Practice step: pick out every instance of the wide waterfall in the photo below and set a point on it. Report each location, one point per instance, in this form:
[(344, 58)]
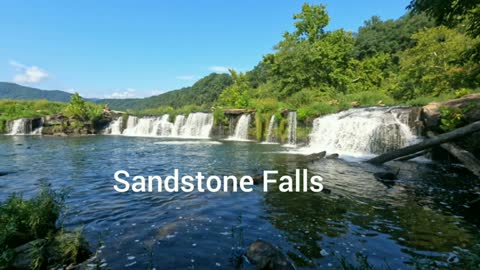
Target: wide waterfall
[(271, 138), (25, 126), (241, 129), (292, 128), (362, 131), (196, 125)]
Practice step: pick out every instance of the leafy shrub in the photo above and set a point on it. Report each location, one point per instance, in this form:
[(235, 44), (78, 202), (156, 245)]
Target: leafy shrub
[(452, 118)]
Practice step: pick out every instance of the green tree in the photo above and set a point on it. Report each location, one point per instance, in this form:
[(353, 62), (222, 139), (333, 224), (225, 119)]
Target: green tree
[(433, 66), (238, 94), (77, 108)]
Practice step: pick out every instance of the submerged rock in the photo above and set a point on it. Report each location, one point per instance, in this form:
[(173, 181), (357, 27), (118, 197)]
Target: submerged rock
[(387, 178), (266, 256), (332, 156), (316, 156)]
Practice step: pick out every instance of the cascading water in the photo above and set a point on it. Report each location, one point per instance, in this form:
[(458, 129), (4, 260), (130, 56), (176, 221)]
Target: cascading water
[(115, 127), (363, 131), (179, 122), (292, 128), (271, 138), (25, 126), (241, 129), (196, 125)]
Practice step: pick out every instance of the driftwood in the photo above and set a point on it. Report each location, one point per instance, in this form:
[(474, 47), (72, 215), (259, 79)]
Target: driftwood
[(467, 158), (428, 143)]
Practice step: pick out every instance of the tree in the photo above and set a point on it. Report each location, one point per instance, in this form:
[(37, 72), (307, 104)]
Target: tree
[(311, 22), (433, 66), (390, 36), (77, 108), (236, 95)]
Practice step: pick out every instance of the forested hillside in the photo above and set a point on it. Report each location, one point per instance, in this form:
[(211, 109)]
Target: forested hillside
[(202, 94), (412, 60), (19, 92)]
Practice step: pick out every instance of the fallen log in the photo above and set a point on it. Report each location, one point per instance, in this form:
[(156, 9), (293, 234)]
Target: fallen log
[(428, 143), (467, 158), (412, 156)]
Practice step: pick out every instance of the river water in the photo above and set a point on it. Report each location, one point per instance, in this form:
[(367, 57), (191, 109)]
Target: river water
[(425, 216)]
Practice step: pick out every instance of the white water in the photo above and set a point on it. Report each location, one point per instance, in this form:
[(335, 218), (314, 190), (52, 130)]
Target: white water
[(115, 127), (179, 122), (197, 125), (292, 128), (271, 131), (241, 129), (364, 131), (23, 126)]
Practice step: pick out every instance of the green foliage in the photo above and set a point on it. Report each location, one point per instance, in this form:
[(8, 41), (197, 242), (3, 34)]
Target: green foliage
[(22, 220), (236, 95), (432, 67), (390, 36), (462, 92), (259, 126), (15, 109), (452, 118), (34, 221), (82, 111)]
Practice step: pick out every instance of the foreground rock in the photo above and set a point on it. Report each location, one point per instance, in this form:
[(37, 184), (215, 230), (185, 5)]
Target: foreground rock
[(266, 256)]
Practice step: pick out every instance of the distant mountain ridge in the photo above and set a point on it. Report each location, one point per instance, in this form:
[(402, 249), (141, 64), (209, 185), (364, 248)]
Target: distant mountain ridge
[(20, 92), (204, 92)]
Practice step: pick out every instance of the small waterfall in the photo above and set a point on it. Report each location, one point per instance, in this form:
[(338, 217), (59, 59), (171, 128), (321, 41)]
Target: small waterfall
[(179, 122), (241, 129), (24, 126), (115, 127), (271, 138), (361, 131), (196, 125), (292, 128)]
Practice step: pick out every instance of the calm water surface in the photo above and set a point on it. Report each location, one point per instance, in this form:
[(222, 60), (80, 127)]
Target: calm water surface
[(425, 215)]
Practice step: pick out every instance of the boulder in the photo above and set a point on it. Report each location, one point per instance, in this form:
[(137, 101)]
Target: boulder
[(431, 111), (266, 256), (332, 156), (431, 117)]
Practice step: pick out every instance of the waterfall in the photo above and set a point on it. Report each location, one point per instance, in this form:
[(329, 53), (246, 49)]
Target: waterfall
[(196, 125), (362, 131), (115, 127), (271, 132), (24, 126), (292, 128), (179, 122), (241, 129), (161, 126)]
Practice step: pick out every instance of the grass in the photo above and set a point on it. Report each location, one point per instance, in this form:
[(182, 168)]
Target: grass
[(25, 220)]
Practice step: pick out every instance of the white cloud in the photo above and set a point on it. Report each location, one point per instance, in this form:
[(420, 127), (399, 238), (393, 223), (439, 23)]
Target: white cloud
[(219, 69), (127, 93), (27, 74), (186, 77)]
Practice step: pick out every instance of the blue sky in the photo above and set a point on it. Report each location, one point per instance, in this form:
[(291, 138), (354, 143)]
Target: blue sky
[(140, 48)]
